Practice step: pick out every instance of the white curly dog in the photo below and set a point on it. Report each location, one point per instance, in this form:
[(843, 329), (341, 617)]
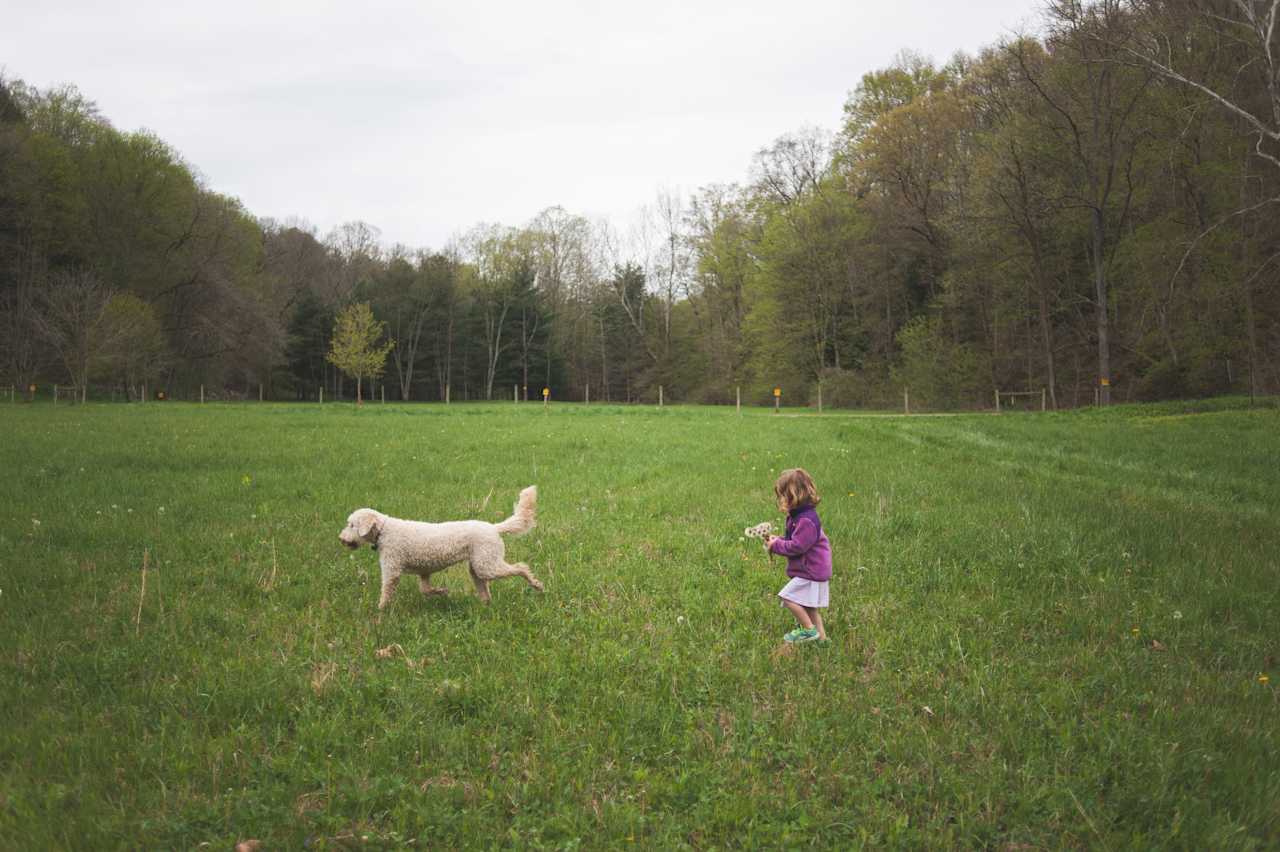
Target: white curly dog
[(423, 549)]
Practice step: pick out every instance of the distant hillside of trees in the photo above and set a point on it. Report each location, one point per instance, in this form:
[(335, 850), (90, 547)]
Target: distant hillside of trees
[(1091, 209)]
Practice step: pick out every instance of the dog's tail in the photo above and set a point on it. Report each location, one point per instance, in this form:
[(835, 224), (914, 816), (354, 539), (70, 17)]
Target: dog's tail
[(522, 520)]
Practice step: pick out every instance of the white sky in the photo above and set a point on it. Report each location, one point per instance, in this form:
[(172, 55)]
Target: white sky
[(425, 118)]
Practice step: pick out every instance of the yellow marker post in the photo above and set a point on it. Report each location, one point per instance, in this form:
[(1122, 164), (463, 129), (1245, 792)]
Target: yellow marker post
[(546, 396), (777, 399)]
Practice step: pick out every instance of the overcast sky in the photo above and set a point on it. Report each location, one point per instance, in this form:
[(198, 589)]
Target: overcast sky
[(426, 118)]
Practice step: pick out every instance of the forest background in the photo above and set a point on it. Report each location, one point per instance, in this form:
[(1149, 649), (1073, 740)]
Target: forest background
[(1087, 210)]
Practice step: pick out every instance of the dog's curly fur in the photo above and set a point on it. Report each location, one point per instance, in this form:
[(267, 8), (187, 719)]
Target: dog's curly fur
[(415, 547)]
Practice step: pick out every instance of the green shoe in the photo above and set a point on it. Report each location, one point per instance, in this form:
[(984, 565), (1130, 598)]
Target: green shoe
[(801, 634)]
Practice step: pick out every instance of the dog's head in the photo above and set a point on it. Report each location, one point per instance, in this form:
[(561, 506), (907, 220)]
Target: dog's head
[(364, 525)]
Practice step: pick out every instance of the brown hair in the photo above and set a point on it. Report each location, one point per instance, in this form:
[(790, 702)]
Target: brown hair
[(795, 488)]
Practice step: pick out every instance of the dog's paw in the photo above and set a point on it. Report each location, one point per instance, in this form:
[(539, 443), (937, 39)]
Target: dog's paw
[(537, 584), (434, 591)]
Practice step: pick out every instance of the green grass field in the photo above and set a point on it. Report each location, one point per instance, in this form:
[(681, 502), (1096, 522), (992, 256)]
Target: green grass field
[(1047, 631)]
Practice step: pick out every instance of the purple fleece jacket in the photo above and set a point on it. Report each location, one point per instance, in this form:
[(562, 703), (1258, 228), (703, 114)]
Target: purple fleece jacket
[(805, 545)]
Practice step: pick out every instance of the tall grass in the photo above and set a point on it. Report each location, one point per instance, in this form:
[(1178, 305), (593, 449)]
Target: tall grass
[(1047, 631)]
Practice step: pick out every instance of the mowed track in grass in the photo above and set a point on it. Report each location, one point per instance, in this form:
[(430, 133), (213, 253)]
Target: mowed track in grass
[(1049, 630)]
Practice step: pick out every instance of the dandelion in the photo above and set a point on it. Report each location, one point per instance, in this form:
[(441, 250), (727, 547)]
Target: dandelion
[(1177, 615), (1263, 679), (1134, 631)]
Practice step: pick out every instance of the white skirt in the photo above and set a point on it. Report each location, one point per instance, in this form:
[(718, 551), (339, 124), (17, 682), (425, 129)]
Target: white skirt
[(810, 593)]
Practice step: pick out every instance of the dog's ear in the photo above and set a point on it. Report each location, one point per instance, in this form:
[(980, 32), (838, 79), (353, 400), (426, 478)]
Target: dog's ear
[(366, 523)]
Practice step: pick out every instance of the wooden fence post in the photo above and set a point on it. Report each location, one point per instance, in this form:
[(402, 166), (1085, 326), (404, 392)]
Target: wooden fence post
[(588, 393), (446, 393), (997, 400), (260, 392), (1043, 394), (737, 392), (659, 396), (906, 400)]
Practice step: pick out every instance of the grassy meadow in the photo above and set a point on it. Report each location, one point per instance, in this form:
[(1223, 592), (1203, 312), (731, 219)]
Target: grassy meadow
[(1047, 631)]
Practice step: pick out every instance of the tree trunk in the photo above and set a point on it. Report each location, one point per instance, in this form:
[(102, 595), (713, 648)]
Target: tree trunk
[(604, 363), (1046, 341), (1100, 294)]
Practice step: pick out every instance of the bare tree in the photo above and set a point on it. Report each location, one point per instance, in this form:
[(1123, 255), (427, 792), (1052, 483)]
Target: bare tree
[(20, 348), (561, 253), (793, 165), (1248, 27), (666, 259), (1246, 32), (356, 245), (446, 299), (73, 319), (493, 255), (1092, 113), (631, 253)]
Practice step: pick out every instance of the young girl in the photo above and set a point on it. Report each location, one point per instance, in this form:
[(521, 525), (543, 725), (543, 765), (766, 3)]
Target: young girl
[(808, 554)]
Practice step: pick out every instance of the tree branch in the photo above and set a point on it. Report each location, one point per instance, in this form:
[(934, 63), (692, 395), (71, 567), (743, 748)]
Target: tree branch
[(1211, 229)]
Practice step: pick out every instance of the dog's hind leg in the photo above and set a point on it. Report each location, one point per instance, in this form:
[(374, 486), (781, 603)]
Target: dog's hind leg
[(523, 570), (498, 569), (482, 586), (428, 589)]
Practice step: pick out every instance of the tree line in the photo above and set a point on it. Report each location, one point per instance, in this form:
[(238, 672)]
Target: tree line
[(1088, 209)]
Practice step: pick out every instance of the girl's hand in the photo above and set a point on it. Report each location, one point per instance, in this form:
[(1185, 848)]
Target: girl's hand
[(768, 542)]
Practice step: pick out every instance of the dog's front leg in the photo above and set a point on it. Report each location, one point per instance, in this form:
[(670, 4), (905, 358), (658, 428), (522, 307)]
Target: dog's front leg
[(390, 577)]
